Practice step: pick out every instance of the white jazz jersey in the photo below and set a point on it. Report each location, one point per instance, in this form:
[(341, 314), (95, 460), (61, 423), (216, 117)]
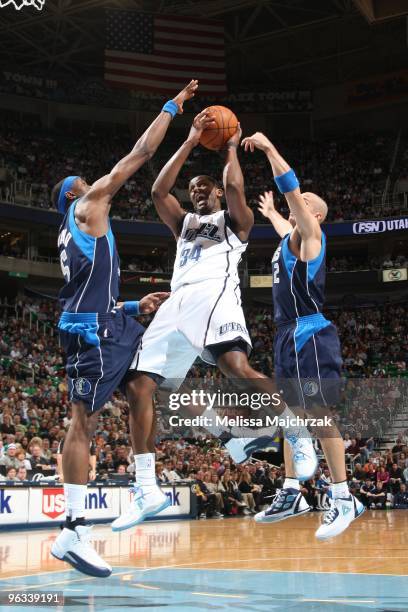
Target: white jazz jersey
[(207, 249), (204, 308)]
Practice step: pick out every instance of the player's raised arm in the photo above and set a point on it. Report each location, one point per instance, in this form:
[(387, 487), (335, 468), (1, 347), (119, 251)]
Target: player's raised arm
[(288, 184), (240, 214), (106, 187), (167, 206), (267, 208)]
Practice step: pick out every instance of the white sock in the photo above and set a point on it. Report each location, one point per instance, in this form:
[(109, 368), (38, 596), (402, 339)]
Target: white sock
[(75, 496), (291, 483), (145, 469), (340, 489)]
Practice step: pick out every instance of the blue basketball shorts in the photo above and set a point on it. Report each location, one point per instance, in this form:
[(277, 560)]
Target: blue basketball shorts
[(308, 362), (99, 351)]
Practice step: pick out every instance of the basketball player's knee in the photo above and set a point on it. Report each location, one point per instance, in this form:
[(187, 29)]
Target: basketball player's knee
[(235, 365), (83, 423), (139, 392)]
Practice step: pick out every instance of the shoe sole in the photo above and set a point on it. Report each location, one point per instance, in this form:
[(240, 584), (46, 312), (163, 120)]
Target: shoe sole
[(83, 567), (322, 539), (266, 521), (164, 505)]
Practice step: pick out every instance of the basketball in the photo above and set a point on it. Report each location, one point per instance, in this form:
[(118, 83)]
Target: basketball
[(226, 124)]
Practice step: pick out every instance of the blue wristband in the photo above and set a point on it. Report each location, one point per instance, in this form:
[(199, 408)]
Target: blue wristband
[(170, 107), (287, 182), (131, 308)]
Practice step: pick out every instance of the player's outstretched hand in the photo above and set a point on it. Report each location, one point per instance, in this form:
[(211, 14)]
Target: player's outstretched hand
[(201, 121), (235, 139), (266, 205), (256, 141), (186, 94), (151, 302)]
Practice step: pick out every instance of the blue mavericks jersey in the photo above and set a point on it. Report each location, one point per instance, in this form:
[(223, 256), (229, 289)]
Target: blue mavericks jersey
[(90, 267), (298, 286)]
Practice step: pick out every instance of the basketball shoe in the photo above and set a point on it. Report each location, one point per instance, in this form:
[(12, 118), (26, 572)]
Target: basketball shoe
[(240, 449), (342, 512), (147, 501), (285, 504), (72, 546), (303, 455)]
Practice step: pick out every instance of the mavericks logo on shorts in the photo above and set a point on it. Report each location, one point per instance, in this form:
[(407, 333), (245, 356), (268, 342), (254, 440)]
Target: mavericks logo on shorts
[(310, 388), (82, 386)]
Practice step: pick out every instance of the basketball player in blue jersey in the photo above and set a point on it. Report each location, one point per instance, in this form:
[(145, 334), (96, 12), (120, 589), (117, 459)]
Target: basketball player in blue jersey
[(99, 335), (203, 315), (307, 348)]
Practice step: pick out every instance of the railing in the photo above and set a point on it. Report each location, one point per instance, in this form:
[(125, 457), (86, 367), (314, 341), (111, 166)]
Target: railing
[(21, 193), (35, 322)]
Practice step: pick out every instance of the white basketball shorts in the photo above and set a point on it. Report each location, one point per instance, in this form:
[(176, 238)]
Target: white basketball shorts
[(194, 317)]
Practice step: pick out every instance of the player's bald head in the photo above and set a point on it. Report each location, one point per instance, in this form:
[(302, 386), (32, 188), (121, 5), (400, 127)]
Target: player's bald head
[(317, 205)]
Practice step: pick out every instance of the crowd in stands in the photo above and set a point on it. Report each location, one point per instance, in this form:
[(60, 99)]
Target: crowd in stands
[(349, 172), (95, 91), (342, 263), (35, 414)]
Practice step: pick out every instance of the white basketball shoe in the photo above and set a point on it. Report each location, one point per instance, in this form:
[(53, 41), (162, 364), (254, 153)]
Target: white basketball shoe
[(304, 456), (240, 449), (287, 503), (342, 512), (147, 501), (73, 547)]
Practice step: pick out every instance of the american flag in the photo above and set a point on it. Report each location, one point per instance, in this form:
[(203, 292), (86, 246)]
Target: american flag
[(162, 53)]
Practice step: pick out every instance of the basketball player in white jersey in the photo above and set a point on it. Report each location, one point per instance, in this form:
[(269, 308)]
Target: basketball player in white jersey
[(203, 316)]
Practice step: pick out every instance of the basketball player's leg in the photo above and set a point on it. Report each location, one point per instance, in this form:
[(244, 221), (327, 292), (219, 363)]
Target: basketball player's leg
[(72, 544), (164, 354), (234, 364), (148, 499), (75, 454), (320, 361)]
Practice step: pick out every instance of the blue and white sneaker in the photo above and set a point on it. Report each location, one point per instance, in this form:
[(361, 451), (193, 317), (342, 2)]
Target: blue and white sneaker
[(73, 547), (304, 456), (286, 503), (240, 449), (342, 512), (147, 501)]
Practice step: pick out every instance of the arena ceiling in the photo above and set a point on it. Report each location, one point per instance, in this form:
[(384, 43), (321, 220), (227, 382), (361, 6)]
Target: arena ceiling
[(269, 43)]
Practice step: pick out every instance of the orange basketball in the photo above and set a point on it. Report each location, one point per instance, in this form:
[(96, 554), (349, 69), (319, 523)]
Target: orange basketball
[(226, 125)]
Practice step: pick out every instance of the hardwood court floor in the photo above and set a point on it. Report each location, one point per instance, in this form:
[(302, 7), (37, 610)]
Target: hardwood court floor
[(220, 564)]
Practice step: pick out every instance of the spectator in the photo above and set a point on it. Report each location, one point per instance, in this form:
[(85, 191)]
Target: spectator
[(160, 475), (249, 491), (378, 497), (10, 458), (21, 473), (396, 478), (11, 473), (37, 459), (401, 498), (383, 476)]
